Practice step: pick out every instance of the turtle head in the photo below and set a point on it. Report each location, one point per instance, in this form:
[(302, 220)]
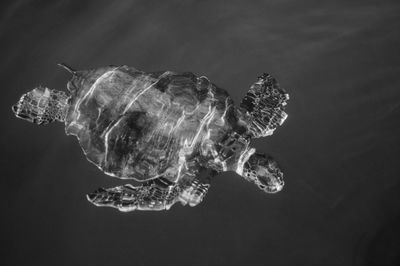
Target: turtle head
[(41, 106), (265, 172)]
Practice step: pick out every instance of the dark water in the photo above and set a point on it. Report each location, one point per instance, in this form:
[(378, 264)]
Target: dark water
[(340, 62)]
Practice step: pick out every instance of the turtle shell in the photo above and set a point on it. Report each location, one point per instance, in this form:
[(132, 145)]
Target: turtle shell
[(140, 125)]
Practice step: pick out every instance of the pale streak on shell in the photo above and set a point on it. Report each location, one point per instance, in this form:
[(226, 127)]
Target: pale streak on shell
[(91, 90)]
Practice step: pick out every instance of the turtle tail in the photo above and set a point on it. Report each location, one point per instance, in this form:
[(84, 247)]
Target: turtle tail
[(67, 67), (263, 106)]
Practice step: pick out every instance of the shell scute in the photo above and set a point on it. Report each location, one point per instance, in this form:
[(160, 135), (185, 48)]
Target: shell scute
[(134, 125)]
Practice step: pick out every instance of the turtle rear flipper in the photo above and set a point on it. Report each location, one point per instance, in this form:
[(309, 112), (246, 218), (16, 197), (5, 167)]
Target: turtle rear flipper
[(263, 106), (154, 195), (42, 106)]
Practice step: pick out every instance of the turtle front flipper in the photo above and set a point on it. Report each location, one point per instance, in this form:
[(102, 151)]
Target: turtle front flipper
[(263, 107), (154, 195)]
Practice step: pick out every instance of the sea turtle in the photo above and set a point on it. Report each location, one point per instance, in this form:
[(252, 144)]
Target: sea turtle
[(171, 131)]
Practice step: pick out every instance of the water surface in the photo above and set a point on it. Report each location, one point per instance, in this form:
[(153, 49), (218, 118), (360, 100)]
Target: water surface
[(340, 62)]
